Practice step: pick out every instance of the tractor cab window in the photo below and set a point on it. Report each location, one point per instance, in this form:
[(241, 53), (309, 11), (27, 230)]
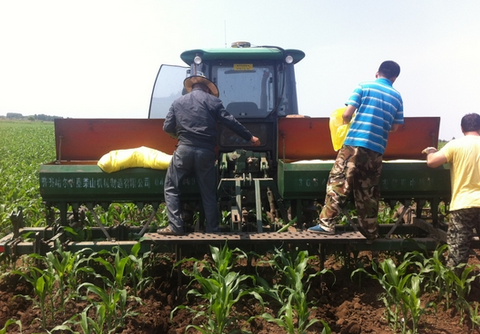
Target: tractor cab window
[(168, 86), (246, 89)]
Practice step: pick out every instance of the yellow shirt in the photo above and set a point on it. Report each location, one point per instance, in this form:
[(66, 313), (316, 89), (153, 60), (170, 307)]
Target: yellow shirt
[(463, 154)]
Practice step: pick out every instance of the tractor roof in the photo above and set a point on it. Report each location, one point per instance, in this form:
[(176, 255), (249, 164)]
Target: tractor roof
[(243, 53)]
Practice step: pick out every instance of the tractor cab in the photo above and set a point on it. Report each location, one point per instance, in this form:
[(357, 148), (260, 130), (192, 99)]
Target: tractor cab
[(256, 85), (254, 82)]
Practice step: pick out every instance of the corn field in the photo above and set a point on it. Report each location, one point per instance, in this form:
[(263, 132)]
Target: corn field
[(283, 292), (24, 146)]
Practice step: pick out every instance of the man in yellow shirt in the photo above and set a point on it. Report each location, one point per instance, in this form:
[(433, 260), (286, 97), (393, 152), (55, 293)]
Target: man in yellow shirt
[(463, 155)]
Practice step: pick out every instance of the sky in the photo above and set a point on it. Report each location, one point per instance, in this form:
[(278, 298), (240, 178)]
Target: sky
[(100, 58)]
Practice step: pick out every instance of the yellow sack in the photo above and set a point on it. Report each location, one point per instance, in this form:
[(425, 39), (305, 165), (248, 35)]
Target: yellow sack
[(136, 157), (338, 130)]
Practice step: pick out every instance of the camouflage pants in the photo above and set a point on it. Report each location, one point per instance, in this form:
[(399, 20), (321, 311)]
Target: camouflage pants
[(460, 232), (356, 169)]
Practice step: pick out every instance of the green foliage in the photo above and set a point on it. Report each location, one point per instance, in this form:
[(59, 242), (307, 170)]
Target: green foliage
[(436, 275), (291, 290), (285, 227), (386, 214), (474, 315), (24, 146), (117, 270), (221, 290), (402, 293), (137, 268), (92, 326), (111, 309), (126, 214), (9, 323), (56, 278), (403, 287), (462, 277), (43, 284), (67, 269), (123, 268), (452, 285)]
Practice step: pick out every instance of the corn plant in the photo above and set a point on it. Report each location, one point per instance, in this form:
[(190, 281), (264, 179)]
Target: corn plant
[(112, 307), (123, 268), (42, 282), (402, 293), (411, 302), (125, 213), (79, 233), (92, 326), (135, 267), (461, 286), (66, 268), (386, 213), (285, 227), (474, 315), (9, 323), (115, 267), (162, 215), (222, 289), (291, 292), (435, 273), (87, 325), (449, 283)]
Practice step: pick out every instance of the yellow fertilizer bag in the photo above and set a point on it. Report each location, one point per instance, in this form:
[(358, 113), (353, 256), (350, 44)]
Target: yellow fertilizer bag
[(338, 130), (136, 157)]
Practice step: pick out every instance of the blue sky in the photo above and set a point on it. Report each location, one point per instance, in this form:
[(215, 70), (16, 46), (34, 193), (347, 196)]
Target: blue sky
[(99, 58)]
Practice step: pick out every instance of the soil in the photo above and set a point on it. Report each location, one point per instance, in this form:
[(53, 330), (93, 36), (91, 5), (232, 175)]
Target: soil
[(347, 306)]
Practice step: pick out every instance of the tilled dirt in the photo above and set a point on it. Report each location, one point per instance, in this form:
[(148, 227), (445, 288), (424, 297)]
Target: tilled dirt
[(348, 306)]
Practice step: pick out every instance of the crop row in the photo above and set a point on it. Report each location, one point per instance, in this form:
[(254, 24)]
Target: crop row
[(24, 146), (109, 285)]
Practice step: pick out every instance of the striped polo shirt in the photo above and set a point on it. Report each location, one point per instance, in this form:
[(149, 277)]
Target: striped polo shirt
[(379, 106)]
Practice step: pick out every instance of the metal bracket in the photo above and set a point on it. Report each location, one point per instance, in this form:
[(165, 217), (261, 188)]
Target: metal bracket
[(97, 220), (149, 221), (235, 217), (17, 221), (258, 183), (398, 221)]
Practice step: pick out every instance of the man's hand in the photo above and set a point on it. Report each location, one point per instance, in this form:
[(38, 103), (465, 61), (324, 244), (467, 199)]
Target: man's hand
[(435, 157), (429, 150), (348, 114), (255, 141)]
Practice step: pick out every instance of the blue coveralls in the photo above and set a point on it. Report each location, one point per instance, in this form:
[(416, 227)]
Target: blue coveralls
[(193, 119)]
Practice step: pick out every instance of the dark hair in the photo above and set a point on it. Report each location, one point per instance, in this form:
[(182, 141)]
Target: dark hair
[(389, 69), (470, 122), (201, 85)]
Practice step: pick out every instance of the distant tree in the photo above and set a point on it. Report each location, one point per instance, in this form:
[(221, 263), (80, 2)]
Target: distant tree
[(14, 115), (441, 143), (43, 117)]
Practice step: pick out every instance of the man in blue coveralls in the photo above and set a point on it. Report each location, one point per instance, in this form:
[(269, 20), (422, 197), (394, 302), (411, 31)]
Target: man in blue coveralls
[(357, 168)]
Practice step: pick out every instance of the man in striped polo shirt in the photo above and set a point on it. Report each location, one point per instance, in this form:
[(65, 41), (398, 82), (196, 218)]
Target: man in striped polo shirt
[(375, 109)]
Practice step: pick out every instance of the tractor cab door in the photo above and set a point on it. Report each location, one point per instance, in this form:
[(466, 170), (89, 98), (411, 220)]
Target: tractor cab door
[(168, 86)]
